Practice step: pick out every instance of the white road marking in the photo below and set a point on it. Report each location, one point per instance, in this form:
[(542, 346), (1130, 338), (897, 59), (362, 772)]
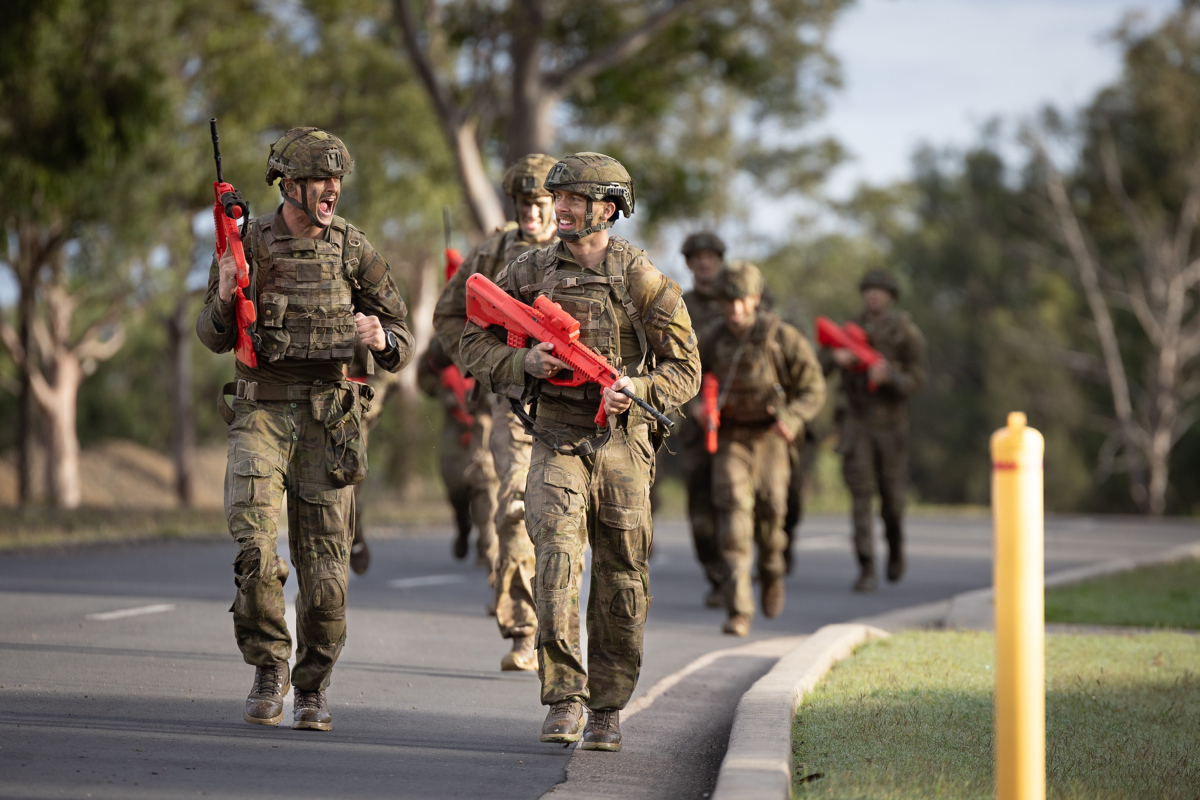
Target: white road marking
[(425, 580), (133, 612)]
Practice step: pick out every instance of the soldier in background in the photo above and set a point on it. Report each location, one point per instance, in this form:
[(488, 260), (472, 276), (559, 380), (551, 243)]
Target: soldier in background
[(470, 483), (873, 425), (508, 445), (296, 424), (705, 256), (771, 387), (590, 485)]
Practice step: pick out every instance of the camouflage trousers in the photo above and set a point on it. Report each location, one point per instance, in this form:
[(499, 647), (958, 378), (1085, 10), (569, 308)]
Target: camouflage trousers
[(601, 500), (750, 476), (875, 458), (277, 446), (697, 480), (470, 476), (511, 450)]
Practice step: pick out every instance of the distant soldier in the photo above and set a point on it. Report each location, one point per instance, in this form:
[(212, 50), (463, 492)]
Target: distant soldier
[(590, 485), (771, 387), (296, 425), (874, 424), (705, 256), (470, 483), (508, 445)]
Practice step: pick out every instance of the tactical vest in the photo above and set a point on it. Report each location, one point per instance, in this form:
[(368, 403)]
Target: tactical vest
[(753, 385), (305, 306), (609, 322)]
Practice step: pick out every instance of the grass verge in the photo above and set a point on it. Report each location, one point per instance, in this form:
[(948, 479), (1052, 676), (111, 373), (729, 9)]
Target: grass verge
[(1163, 596), (911, 717), (51, 527)]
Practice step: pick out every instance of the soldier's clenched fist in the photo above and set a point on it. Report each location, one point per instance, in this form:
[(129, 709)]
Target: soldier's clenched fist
[(370, 330), (227, 278)]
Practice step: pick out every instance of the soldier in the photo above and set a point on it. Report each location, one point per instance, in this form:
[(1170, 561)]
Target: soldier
[(873, 425), (590, 485), (771, 387), (705, 256), (470, 482), (296, 423), (509, 445)]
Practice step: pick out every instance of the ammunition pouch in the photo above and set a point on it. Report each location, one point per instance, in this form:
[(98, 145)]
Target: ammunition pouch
[(341, 407)]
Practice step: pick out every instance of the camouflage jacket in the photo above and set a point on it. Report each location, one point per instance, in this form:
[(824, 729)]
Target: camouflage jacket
[(769, 374), (899, 341), (373, 292), (628, 311)]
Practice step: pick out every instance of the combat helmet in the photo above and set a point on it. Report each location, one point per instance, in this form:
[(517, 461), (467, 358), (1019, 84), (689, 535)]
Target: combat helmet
[(303, 153), (880, 279), (527, 175), (596, 177), (703, 240), (739, 279)]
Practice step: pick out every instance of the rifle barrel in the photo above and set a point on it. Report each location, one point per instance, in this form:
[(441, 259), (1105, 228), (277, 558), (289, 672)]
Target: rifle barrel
[(212, 126)]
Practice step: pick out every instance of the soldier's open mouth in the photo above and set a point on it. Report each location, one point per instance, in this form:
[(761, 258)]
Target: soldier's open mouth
[(325, 206)]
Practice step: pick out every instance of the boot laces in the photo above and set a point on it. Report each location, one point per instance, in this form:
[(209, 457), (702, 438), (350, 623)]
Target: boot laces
[(268, 680), (564, 708), (308, 700), (604, 719)]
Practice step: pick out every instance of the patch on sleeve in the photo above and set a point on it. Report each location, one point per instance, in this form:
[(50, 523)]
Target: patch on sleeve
[(374, 270), (662, 310)]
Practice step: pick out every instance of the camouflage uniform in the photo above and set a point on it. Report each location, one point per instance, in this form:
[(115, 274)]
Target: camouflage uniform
[(285, 422), (467, 471), (768, 374), (578, 495), (362, 370), (873, 426)]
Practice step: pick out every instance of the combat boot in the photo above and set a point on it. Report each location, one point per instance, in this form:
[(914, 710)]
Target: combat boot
[(867, 582), (895, 567), (462, 544), (522, 657), (264, 705), (603, 731), (737, 625), (773, 597), (564, 722), (311, 711), (714, 598), (360, 554)]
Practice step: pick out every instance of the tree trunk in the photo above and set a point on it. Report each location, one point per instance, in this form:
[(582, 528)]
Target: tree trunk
[(59, 403), (183, 427), (530, 129), (481, 196), (1158, 461)]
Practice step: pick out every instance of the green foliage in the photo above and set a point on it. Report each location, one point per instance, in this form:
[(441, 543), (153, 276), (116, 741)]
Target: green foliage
[(1165, 596), (911, 717)]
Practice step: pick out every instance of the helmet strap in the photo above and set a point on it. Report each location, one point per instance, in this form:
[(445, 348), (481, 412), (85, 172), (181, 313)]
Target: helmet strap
[(590, 227), (303, 206)]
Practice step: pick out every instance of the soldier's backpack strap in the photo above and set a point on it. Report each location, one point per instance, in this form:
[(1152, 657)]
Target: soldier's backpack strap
[(617, 268)]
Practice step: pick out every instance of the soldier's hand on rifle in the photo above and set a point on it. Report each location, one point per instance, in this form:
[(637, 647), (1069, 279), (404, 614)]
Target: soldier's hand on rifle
[(370, 330), (614, 401), (880, 372), (844, 358), (226, 276), (783, 432), (540, 364)]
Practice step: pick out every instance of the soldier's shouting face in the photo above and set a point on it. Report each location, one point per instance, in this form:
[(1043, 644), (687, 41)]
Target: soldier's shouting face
[(323, 194), (571, 210)]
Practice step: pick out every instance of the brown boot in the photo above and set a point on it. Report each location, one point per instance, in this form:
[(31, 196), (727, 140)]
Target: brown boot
[(737, 625), (360, 555), (522, 657), (867, 582), (714, 598), (603, 731), (264, 705), (311, 711), (773, 597), (564, 722), (895, 567)]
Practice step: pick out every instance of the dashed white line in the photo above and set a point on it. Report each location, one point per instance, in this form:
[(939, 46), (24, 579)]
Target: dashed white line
[(132, 612), (425, 580)]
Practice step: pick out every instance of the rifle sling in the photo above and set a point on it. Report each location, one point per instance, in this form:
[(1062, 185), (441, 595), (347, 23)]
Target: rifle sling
[(585, 448)]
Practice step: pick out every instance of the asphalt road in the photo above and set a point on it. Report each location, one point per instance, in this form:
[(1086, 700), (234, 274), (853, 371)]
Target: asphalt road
[(148, 704)]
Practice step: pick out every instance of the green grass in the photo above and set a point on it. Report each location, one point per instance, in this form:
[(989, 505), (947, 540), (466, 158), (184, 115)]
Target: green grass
[(51, 527), (1165, 596), (911, 717)]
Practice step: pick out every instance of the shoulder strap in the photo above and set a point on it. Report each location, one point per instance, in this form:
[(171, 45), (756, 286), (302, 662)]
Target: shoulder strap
[(352, 249), (617, 265)]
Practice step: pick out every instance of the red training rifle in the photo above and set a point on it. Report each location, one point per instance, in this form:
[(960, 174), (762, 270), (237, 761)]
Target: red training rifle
[(452, 377), (545, 321), (710, 391), (228, 208), (849, 337)]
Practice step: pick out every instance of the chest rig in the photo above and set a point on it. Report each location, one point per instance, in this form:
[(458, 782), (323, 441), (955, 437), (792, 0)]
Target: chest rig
[(749, 371), (305, 305), (609, 322)]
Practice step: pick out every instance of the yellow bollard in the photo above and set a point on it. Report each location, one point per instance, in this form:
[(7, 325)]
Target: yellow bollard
[(1020, 615)]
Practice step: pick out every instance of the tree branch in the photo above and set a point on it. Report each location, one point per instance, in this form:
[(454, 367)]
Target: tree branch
[(12, 341), (1116, 185), (443, 105), (624, 48), (93, 347), (1141, 309)]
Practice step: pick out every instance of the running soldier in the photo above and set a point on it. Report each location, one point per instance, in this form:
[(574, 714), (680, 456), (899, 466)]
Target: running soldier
[(873, 425), (296, 424), (771, 387), (591, 485), (508, 445)]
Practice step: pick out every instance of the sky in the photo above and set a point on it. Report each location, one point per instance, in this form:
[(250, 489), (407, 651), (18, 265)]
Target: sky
[(935, 71)]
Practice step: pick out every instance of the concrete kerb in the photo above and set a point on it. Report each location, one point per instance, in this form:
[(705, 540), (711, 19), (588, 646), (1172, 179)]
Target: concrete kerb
[(758, 761)]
